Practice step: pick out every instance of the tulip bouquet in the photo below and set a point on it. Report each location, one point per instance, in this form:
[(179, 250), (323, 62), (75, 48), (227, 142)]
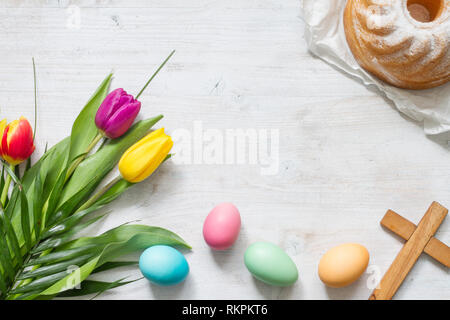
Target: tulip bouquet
[(43, 206)]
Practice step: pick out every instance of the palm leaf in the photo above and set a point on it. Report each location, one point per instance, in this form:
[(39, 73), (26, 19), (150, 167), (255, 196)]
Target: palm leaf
[(40, 283), (36, 205), (6, 225), (25, 219), (66, 224), (53, 268), (67, 208), (63, 255), (116, 242), (48, 168), (53, 199), (114, 264), (3, 287), (124, 233), (6, 259), (98, 251), (27, 296), (56, 241), (9, 211), (91, 286)]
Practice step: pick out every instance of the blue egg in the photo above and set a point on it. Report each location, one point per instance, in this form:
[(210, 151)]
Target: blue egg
[(163, 265)]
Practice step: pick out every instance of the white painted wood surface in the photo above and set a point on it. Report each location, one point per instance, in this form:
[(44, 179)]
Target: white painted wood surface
[(345, 154)]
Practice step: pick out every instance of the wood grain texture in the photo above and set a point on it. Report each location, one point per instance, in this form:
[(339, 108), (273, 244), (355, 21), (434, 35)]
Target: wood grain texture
[(345, 154), (405, 228), (410, 252)]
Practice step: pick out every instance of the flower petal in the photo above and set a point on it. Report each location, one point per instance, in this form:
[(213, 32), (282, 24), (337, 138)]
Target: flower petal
[(122, 120), (17, 141), (144, 157), (108, 107), (3, 124)]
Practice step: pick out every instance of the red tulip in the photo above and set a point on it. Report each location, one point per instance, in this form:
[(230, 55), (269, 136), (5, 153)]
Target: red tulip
[(16, 144)]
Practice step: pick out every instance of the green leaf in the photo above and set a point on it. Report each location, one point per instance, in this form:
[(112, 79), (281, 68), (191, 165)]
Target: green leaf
[(116, 242), (25, 219), (26, 296), (91, 286), (116, 190), (6, 259), (2, 178), (78, 157), (17, 171), (99, 164), (5, 224), (3, 288), (36, 205), (114, 264), (84, 129), (115, 284), (124, 233), (11, 207), (72, 280), (68, 207), (49, 168), (53, 199), (28, 165), (54, 242), (66, 224), (40, 283), (32, 295), (63, 255), (11, 173), (53, 268)]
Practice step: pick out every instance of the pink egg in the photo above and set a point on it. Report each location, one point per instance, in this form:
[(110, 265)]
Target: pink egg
[(221, 227)]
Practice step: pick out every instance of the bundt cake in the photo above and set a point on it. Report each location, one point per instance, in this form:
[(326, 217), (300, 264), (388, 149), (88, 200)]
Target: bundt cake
[(403, 42)]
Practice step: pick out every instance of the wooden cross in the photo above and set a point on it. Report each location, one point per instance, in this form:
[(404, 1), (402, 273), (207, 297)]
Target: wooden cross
[(418, 239)]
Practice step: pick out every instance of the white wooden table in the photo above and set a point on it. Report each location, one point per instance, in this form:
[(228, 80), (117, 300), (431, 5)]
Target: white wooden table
[(345, 154)]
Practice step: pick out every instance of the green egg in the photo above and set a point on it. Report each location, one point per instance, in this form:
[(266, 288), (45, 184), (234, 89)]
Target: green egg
[(270, 264)]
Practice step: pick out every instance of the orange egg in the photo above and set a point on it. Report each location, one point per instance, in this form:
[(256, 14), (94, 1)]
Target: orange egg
[(342, 265)]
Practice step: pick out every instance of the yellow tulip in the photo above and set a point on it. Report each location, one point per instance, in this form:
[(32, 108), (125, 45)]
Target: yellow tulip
[(142, 158)]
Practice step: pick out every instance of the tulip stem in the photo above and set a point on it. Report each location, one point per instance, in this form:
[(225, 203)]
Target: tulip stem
[(99, 193), (154, 74), (6, 187), (78, 160)]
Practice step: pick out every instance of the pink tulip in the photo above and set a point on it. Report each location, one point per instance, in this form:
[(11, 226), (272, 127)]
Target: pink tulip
[(117, 113)]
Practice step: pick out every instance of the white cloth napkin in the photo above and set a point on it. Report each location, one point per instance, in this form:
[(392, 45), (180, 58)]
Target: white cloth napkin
[(324, 34)]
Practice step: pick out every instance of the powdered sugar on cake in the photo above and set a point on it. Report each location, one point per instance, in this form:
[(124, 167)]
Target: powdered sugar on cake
[(398, 45)]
